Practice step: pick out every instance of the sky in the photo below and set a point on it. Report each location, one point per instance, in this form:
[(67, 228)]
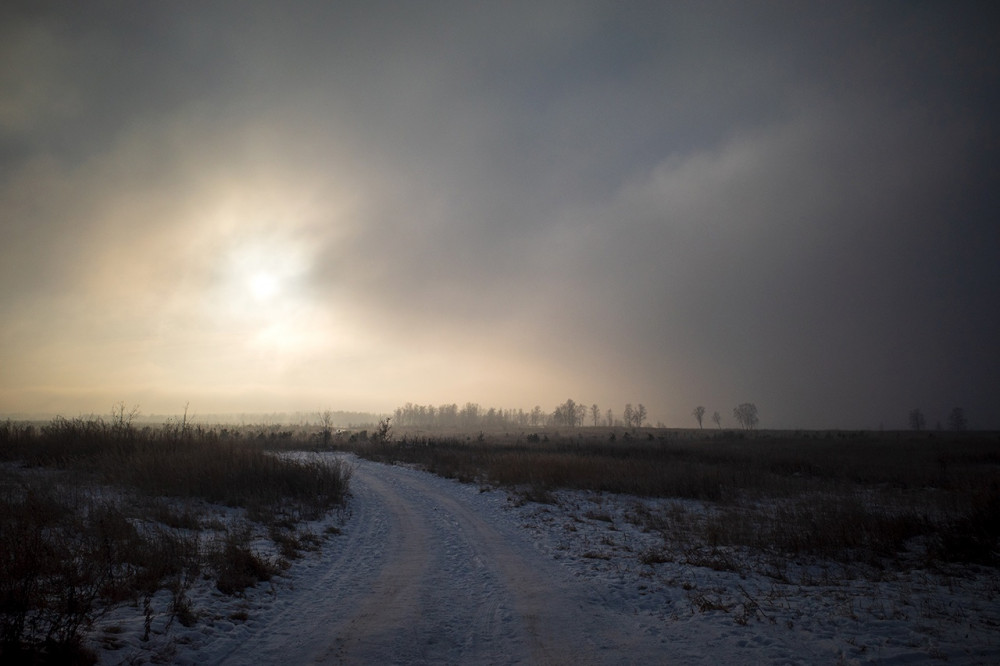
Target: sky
[(271, 206)]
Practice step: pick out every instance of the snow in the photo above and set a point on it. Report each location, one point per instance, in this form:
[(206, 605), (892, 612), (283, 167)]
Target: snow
[(427, 570)]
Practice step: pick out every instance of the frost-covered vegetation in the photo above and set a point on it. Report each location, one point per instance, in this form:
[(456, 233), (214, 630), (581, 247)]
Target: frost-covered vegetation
[(97, 513), (853, 497), (121, 527)]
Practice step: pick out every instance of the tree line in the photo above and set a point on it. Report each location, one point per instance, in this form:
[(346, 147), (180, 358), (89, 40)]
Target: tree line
[(957, 420), (746, 415), (471, 415), (572, 414)]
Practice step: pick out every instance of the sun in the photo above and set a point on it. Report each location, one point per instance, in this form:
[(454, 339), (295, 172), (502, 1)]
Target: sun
[(263, 271), (264, 285), (263, 301)]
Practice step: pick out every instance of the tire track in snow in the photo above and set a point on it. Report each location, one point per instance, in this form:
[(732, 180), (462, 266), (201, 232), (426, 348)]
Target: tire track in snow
[(563, 622), (383, 617), (434, 601), (297, 626), (428, 573)]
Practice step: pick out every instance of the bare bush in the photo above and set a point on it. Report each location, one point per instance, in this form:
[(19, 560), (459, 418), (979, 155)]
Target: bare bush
[(746, 415), (66, 560), (237, 565)]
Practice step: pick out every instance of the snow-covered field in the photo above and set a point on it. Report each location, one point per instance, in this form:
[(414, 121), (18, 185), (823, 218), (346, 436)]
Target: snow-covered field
[(426, 570)]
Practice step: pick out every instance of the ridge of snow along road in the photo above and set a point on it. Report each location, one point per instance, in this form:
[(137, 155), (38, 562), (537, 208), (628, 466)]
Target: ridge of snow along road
[(429, 570)]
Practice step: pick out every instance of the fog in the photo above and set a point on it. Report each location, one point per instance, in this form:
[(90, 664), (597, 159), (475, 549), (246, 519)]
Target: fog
[(261, 207)]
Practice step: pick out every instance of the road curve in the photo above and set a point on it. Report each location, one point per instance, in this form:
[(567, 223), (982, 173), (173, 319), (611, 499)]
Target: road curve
[(426, 573)]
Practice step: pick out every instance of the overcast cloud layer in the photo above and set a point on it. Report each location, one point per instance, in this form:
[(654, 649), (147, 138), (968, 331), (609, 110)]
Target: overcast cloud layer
[(295, 206)]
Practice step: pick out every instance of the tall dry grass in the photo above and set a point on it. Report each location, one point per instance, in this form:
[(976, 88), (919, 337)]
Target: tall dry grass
[(228, 466), (97, 512), (847, 496)]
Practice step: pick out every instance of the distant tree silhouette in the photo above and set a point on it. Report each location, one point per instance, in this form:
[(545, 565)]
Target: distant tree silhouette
[(956, 420), (473, 416), (698, 413), (634, 416), (917, 420), (537, 415), (469, 415), (383, 434), (746, 415), (569, 414), (717, 420), (326, 419), (640, 415), (449, 413)]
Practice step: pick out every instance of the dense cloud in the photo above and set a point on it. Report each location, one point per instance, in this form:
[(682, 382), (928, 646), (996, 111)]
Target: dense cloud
[(259, 206)]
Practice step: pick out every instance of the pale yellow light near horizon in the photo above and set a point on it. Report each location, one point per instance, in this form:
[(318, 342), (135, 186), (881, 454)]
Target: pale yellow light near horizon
[(240, 316)]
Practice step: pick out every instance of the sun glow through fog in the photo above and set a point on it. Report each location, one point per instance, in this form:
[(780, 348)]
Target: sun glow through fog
[(264, 286), (261, 299)]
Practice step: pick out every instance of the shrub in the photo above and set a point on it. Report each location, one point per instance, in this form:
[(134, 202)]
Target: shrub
[(56, 566), (237, 566), (975, 536)]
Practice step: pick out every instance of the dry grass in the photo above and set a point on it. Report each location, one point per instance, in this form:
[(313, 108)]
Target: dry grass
[(70, 555), (227, 466), (846, 496), (96, 513)]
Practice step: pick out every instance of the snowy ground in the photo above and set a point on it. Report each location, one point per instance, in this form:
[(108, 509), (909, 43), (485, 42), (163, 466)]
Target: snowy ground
[(430, 571)]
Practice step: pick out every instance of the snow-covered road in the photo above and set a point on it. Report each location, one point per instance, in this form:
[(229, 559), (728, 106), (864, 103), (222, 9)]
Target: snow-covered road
[(423, 574), (427, 570)]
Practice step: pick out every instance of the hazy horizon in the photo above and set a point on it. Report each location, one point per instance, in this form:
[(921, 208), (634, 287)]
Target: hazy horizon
[(262, 207)]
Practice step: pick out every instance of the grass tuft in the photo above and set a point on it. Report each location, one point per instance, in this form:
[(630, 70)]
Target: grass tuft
[(237, 565)]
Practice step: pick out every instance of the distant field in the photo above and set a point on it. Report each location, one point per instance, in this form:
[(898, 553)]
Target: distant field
[(847, 496), (96, 513)]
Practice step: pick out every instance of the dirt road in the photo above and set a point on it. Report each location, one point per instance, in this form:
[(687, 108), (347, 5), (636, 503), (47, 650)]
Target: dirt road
[(429, 571)]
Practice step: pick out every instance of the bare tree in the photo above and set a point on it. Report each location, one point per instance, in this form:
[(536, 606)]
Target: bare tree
[(121, 420), (628, 415), (640, 415), (746, 415), (570, 414), (595, 413), (326, 419), (717, 420), (537, 415), (917, 420), (448, 414), (383, 434), (610, 416), (698, 413), (956, 420), (469, 415), (559, 415)]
